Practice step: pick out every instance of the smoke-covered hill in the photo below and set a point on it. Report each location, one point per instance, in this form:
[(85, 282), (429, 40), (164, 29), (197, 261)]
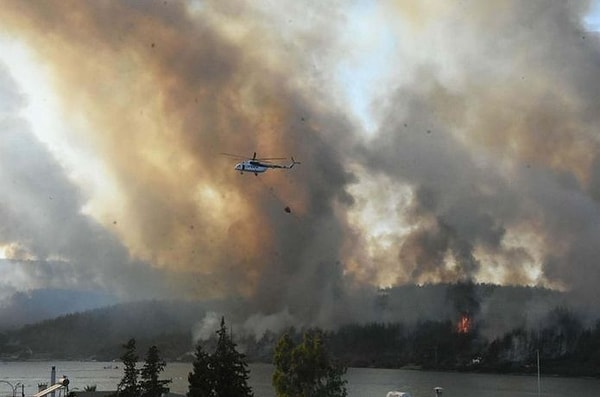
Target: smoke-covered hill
[(34, 306), (175, 326), (99, 333)]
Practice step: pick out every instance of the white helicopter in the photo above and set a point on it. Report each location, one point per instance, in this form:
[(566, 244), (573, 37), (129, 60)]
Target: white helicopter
[(259, 165)]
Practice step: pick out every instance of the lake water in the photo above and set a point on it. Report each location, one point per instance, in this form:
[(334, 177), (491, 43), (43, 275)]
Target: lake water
[(362, 382)]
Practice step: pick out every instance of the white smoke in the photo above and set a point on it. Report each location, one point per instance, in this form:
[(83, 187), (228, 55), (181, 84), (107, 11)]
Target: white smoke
[(258, 324), (206, 328)]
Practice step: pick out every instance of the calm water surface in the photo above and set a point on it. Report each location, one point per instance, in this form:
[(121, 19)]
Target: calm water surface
[(361, 382)]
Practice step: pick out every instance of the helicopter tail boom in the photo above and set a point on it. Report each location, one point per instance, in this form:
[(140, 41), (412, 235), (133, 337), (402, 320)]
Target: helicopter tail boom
[(286, 167)]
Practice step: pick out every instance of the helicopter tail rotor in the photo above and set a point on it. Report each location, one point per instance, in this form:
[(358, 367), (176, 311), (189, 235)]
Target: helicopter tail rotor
[(293, 163)]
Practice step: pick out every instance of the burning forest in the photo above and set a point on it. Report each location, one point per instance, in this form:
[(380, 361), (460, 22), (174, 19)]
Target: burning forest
[(566, 344), (464, 325)]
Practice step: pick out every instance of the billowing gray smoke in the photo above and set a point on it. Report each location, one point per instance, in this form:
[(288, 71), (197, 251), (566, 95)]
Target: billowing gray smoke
[(485, 145), (497, 138)]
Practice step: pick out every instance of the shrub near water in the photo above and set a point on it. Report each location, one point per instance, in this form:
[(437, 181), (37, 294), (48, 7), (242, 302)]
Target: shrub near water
[(306, 369)]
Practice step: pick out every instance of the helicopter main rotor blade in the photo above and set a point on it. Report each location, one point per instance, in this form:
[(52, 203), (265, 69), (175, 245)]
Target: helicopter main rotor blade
[(235, 156), (253, 158), (271, 158)]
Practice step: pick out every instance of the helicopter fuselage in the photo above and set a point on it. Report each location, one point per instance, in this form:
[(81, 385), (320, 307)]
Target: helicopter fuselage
[(256, 166), (251, 166)]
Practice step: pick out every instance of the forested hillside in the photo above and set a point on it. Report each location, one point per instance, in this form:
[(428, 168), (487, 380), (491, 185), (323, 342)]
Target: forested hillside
[(565, 346), (468, 335), (99, 334)]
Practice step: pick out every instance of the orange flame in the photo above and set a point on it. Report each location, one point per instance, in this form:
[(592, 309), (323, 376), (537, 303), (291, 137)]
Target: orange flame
[(464, 324)]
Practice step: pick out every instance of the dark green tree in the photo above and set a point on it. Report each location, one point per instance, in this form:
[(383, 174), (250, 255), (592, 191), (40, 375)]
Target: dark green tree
[(225, 373), (229, 367), (128, 386), (200, 379), (150, 384), (306, 370)]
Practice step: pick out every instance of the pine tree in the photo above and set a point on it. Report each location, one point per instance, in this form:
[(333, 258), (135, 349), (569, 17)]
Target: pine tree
[(230, 370), (222, 374), (150, 385), (128, 386), (200, 379)]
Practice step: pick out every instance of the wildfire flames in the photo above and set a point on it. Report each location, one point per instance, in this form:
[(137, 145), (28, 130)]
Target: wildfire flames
[(464, 324)]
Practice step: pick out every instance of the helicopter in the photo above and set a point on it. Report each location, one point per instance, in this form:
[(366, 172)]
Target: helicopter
[(259, 165)]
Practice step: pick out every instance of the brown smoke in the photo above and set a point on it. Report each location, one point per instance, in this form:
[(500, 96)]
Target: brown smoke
[(161, 92)]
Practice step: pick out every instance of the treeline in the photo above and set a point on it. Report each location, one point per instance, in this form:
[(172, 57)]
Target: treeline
[(300, 369), (564, 345)]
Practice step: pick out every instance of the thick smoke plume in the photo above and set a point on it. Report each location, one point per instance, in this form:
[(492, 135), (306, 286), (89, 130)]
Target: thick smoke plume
[(483, 166), (496, 135)]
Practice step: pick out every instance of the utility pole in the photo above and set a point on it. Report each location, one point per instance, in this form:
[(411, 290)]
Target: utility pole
[(538, 374)]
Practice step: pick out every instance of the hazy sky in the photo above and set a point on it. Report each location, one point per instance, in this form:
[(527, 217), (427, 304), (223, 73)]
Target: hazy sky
[(440, 142)]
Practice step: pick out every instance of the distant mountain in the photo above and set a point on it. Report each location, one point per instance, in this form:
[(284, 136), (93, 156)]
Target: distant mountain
[(99, 333), (37, 305)]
